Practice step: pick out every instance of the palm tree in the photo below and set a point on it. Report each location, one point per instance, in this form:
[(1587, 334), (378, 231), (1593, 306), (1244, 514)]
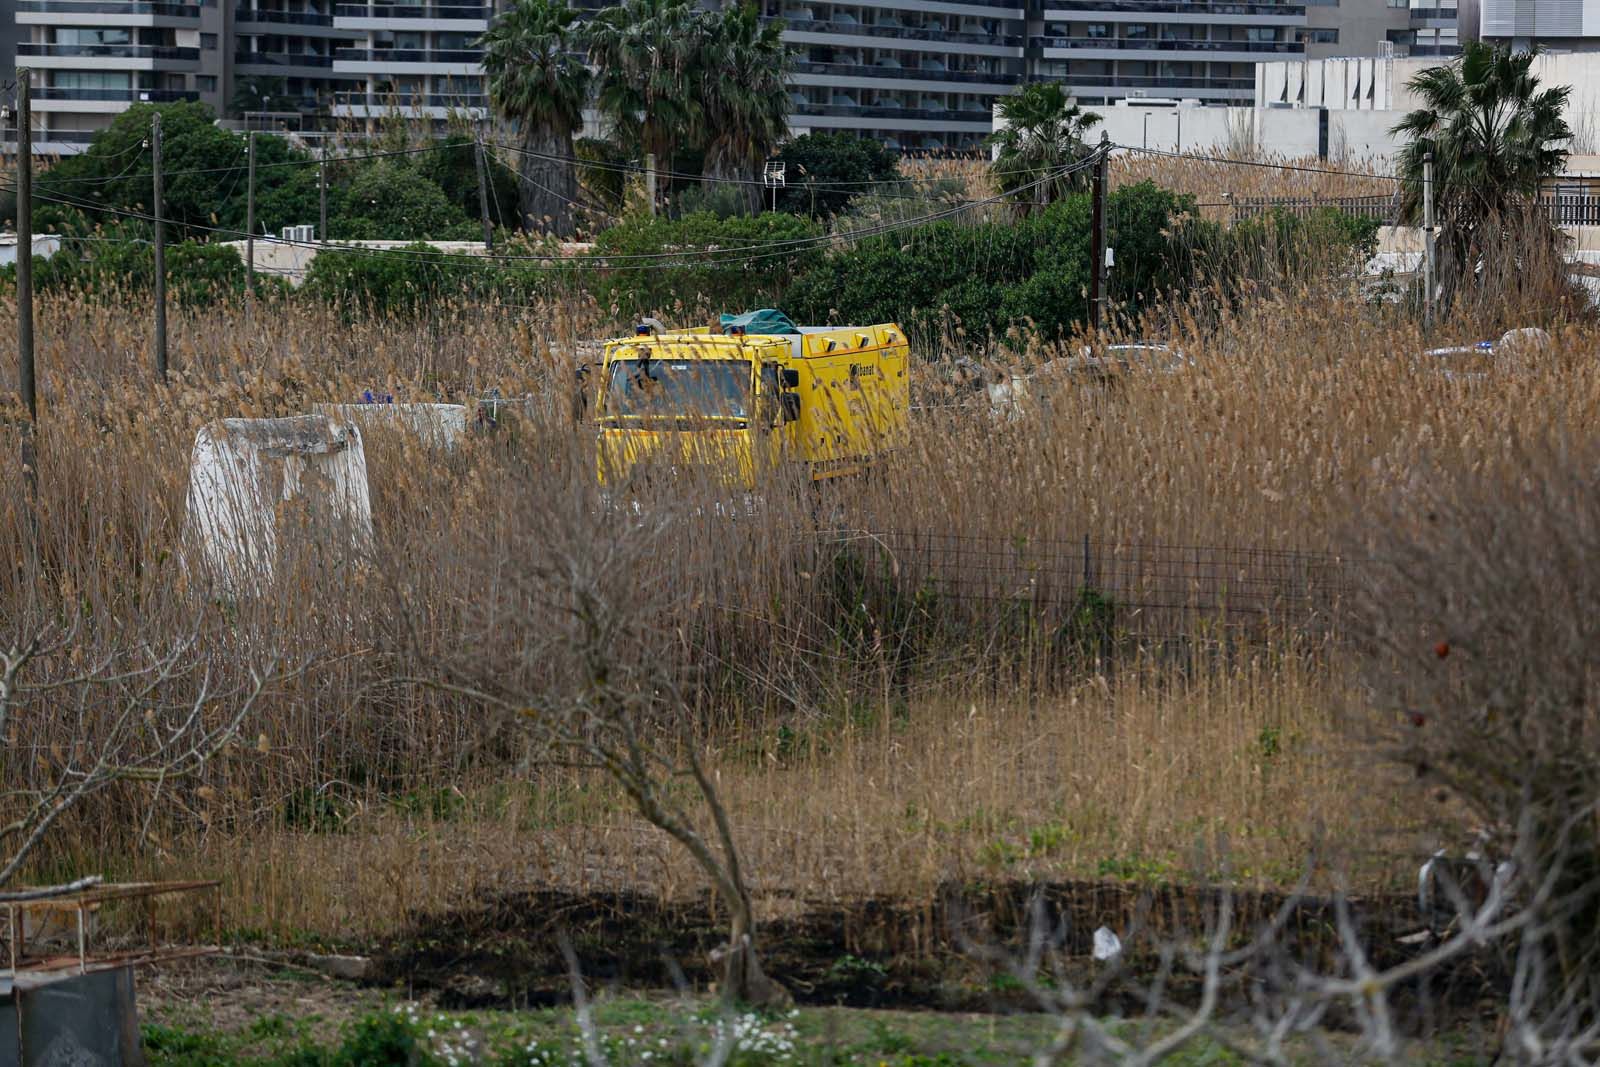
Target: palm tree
[(744, 96), (646, 51), (538, 79), (1043, 134), (1495, 136)]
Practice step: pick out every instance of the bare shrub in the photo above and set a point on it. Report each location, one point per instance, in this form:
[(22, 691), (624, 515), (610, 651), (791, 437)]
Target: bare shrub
[(1476, 634)]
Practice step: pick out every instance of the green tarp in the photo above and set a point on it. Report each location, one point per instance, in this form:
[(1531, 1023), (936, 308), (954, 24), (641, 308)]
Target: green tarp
[(765, 321)]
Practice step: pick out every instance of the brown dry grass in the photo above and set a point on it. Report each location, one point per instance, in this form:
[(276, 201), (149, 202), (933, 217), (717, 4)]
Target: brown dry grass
[(1297, 412)]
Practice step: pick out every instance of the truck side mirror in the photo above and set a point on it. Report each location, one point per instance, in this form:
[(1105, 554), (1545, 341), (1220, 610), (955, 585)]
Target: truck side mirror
[(789, 377), (791, 404)]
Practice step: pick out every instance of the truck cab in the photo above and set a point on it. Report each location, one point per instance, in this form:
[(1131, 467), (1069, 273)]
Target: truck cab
[(756, 392)]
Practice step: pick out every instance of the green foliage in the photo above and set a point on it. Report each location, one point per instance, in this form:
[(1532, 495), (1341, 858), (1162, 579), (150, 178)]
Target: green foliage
[(1042, 136), (816, 161), (407, 279), (989, 277), (642, 286), (114, 266), (454, 169), (992, 277), (389, 201)]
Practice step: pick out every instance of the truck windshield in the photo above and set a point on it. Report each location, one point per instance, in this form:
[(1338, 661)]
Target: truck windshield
[(679, 388)]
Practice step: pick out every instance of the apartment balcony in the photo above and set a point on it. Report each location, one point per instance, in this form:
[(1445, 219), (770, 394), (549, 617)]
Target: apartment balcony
[(1156, 49), (441, 18), (1220, 12), (817, 31), (107, 13), (293, 23), (430, 105), (108, 57), (872, 111), (1084, 83), (103, 101), (446, 61), (284, 64), (890, 77)]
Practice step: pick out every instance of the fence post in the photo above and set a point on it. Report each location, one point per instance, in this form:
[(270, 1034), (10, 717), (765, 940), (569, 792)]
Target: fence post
[(1427, 241), (161, 248)]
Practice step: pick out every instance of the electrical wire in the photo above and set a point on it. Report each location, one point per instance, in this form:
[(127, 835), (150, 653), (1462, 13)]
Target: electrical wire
[(684, 258), (1292, 167)]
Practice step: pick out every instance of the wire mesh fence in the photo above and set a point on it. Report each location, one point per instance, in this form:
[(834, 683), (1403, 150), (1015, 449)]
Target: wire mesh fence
[(1085, 594)]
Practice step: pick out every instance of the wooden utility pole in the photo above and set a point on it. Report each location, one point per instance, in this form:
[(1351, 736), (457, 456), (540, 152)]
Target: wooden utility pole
[(250, 216), (483, 198), (24, 255), (322, 194), (25, 265), (1427, 242), (161, 248), (650, 180), (1097, 236)]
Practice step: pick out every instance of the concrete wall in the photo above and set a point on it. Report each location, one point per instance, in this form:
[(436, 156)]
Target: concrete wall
[(1287, 133), (1363, 26)]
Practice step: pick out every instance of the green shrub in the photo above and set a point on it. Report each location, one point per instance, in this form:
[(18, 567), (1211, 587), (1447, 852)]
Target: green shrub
[(109, 267), (824, 171), (702, 277), (405, 279)]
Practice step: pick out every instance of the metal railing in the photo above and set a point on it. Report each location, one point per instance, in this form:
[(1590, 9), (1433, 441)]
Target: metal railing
[(452, 12), (409, 55), (401, 101), (1175, 7), (283, 59), (1385, 208), (109, 7), (152, 96), (290, 18), (1154, 44), (899, 33), (1146, 81), (864, 70), (111, 51), (875, 111)]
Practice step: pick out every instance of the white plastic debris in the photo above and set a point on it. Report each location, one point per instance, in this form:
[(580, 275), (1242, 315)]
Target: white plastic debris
[(1107, 945), (1528, 340), (241, 474), (435, 425)]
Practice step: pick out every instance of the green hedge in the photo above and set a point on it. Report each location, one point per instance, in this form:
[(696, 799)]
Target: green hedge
[(705, 266), (988, 277)]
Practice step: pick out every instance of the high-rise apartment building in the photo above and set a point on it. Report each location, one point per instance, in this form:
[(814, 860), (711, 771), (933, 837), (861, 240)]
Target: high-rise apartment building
[(915, 74)]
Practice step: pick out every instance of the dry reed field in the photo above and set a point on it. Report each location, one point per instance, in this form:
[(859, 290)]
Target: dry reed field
[(878, 718), (356, 797)]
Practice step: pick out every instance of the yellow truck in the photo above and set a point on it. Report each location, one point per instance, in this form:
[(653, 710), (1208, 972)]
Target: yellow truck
[(749, 394)]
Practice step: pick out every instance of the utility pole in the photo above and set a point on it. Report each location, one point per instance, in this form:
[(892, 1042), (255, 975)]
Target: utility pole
[(650, 180), (25, 272), (250, 217), (322, 194), (1427, 241), (1097, 235), (483, 198), (161, 248)]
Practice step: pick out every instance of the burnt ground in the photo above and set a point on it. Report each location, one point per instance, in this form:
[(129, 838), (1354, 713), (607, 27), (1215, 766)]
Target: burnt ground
[(946, 953)]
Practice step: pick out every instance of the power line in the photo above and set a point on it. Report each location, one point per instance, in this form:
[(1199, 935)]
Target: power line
[(1296, 168), (602, 261)]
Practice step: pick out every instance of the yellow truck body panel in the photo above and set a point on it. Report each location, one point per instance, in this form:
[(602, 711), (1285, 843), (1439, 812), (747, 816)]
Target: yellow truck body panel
[(834, 400)]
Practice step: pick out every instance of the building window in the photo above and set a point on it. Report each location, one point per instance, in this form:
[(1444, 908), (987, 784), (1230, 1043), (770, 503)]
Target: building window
[(1319, 36), (208, 41), (81, 36), (1136, 29), (1097, 29), (1260, 33), (91, 79), (206, 83)]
